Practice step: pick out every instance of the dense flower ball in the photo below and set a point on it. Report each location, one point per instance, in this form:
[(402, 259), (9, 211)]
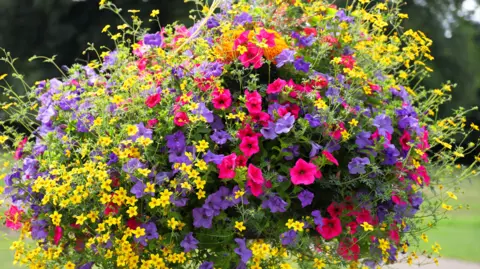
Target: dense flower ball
[(266, 130)]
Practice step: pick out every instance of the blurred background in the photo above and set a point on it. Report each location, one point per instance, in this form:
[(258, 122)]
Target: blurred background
[(63, 28)]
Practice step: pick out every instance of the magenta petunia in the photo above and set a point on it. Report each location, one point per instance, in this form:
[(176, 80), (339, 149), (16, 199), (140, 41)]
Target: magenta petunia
[(303, 173)]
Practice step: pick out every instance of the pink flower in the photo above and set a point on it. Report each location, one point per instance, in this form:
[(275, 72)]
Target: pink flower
[(254, 102), (423, 175), (253, 56), (364, 216), (404, 139), (181, 118), (261, 117), (335, 209), (303, 172), (255, 174), (266, 37), (255, 180), (153, 100), (57, 234), (247, 132), (255, 188), (227, 167), (348, 61), (249, 146), (142, 64), (222, 99), (277, 86), (151, 123), (242, 39), (349, 249), (19, 150), (13, 216), (331, 228), (330, 157)]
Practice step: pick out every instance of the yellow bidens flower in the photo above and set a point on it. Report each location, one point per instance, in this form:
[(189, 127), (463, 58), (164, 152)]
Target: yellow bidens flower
[(154, 13), (239, 226), (56, 218), (132, 130), (366, 226), (202, 146), (105, 28), (451, 195)]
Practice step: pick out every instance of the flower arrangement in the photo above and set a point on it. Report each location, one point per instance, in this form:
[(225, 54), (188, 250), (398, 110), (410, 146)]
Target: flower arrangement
[(270, 134)]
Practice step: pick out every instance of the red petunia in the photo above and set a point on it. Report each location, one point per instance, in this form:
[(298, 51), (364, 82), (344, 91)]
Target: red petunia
[(227, 167), (181, 118), (330, 157), (255, 180), (57, 234), (331, 228), (13, 218), (253, 102), (303, 172), (335, 209), (277, 86), (222, 99), (249, 146), (153, 100), (349, 249), (404, 139)]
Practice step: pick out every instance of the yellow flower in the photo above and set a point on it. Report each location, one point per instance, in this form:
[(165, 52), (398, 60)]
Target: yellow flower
[(132, 130), (173, 223), (202, 146), (132, 211), (105, 28), (3, 138), (446, 207), (154, 13), (320, 104), (201, 194), (451, 195), (424, 238), (354, 122), (69, 265), (298, 226), (80, 219), (239, 226), (56, 218), (3, 76), (366, 226), (319, 263)]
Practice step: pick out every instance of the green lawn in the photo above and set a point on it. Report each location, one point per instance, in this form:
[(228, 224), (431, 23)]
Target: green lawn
[(459, 236)]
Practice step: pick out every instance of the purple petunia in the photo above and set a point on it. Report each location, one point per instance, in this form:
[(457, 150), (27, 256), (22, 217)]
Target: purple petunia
[(142, 132), (363, 140), (206, 265), (315, 149), (275, 204), (294, 151), (305, 197), (301, 65), (214, 158), (317, 218), (313, 120), (138, 189), (203, 111), (153, 40), (212, 23), (285, 124), (189, 243), (288, 238), (286, 56), (383, 124), (202, 218), (220, 137), (242, 250), (242, 18), (357, 165), (269, 131), (176, 141)]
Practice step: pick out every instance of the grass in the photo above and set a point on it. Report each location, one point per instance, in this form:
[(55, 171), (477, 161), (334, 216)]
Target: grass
[(459, 236)]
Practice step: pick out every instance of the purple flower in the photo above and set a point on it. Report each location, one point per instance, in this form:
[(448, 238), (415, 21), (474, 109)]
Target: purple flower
[(88, 265), (220, 137), (284, 124), (212, 23), (202, 110), (211, 157), (383, 124), (294, 150), (189, 243), (288, 238), (176, 141), (38, 229), (275, 204), (150, 230), (332, 146), (138, 189), (363, 140), (242, 250), (342, 17), (391, 154), (269, 131), (153, 39), (242, 18), (202, 217), (112, 158), (317, 218), (306, 41), (46, 113), (313, 120), (206, 265), (217, 123), (176, 156), (132, 165), (286, 56), (142, 131), (305, 197), (315, 149), (301, 65), (357, 165)]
